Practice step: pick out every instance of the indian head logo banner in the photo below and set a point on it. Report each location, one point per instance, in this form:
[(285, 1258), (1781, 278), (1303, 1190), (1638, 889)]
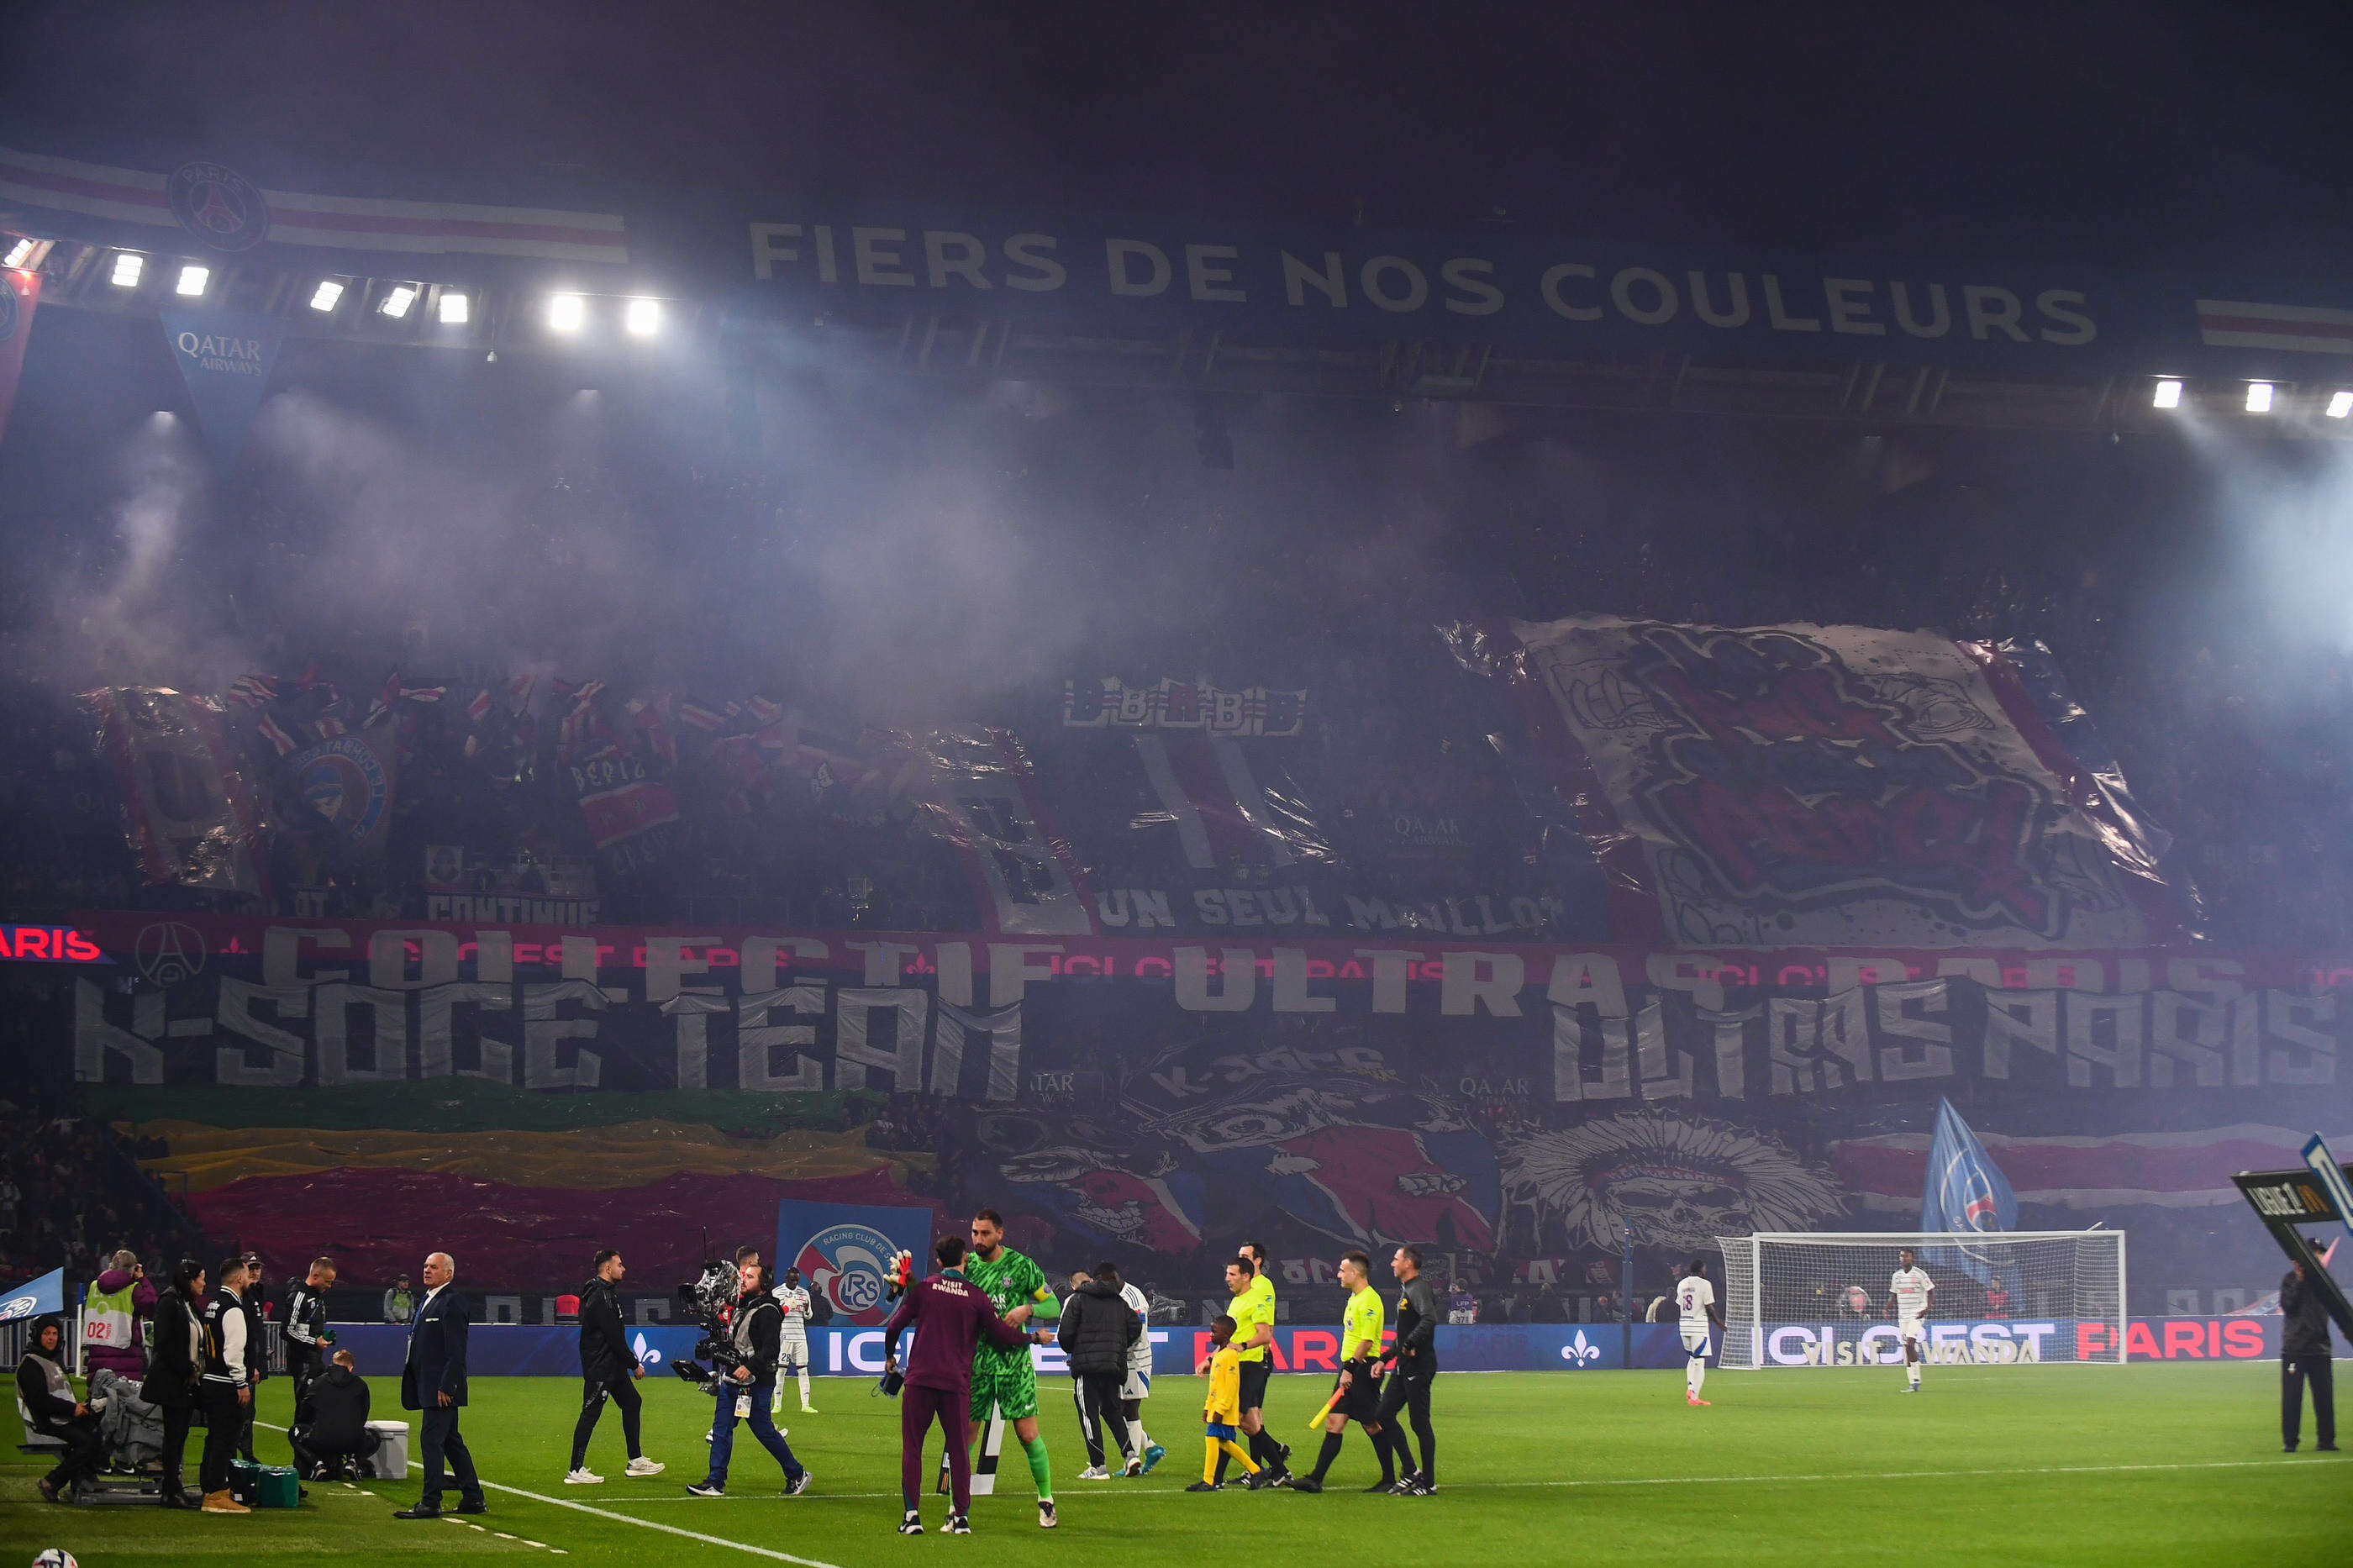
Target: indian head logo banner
[(19, 292), (225, 357)]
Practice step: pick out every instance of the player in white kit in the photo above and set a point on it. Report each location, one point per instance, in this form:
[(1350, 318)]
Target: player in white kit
[(1137, 1388), (1696, 1304), (1911, 1294), (792, 1347)]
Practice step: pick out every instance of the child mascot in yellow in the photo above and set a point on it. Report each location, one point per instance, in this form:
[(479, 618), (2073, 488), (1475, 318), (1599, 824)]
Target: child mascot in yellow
[(1223, 1412)]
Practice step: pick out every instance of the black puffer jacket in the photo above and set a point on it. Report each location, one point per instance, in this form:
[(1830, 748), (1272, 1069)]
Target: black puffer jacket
[(605, 1353), (1096, 1328)]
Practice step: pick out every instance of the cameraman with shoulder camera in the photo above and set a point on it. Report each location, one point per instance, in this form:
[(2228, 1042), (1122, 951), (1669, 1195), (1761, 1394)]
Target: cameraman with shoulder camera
[(745, 1364), (606, 1365)]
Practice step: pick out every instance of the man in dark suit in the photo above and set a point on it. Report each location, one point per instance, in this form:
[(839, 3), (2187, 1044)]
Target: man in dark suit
[(433, 1380)]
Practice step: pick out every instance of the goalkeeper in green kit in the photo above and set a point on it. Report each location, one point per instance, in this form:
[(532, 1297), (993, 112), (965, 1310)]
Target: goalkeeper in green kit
[(1006, 1378)]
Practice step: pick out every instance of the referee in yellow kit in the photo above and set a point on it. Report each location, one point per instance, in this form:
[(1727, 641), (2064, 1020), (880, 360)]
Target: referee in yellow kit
[(1359, 1394), (1253, 1311)]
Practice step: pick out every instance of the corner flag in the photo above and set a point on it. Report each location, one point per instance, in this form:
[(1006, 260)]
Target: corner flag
[(1965, 1190)]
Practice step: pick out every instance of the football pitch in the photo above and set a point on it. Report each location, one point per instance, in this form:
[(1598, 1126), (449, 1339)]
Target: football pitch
[(2140, 1466)]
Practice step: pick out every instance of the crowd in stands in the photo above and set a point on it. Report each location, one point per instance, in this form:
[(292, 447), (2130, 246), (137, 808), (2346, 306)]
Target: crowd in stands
[(71, 1193)]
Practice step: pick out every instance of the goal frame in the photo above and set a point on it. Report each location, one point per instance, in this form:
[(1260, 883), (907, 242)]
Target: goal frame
[(1749, 1315)]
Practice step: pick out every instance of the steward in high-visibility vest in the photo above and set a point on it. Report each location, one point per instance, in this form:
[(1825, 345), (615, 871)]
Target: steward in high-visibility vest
[(113, 1312)]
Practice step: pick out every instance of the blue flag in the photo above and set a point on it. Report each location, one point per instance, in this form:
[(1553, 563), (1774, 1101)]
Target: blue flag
[(225, 357), (30, 1300), (1965, 1190), (844, 1252)]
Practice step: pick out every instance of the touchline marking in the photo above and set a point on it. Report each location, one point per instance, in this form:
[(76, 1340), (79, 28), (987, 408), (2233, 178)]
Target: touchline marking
[(665, 1529), (1162, 1492)]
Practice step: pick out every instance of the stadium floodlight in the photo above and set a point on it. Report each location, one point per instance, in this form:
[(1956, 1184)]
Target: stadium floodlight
[(643, 318), (2168, 394), (1819, 1298), (129, 265), (2340, 403), (565, 312), (192, 280), (18, 254), (327, 295), (2259, 397), (453, 308), (396, 300)]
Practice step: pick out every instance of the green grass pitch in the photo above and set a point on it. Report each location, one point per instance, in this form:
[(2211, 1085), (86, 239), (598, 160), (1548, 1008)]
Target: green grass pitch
[(2121, 1468)]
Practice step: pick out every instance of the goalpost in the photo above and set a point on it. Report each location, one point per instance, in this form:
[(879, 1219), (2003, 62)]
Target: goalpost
[(1819, 1298)]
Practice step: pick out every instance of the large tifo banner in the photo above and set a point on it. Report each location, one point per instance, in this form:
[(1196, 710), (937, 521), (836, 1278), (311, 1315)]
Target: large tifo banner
[(1808, 785), (1155, 1102)]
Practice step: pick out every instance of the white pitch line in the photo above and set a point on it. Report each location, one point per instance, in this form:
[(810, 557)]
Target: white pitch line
[(665, 1529), (1164, 1493)]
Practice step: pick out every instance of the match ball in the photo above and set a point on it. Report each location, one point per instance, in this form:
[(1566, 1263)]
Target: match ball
[(1858, 1299), (56, 1557)]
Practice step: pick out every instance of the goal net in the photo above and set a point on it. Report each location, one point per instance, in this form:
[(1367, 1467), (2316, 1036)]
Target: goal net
[(1820, 1298)]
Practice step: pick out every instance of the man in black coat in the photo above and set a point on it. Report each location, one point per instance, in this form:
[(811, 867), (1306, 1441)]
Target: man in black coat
[(176, 1371), (1097, 1327), (257, 1339), (607, 1365), (307, 1338), (433, 1380), (2305, 1357), (335, 1423)]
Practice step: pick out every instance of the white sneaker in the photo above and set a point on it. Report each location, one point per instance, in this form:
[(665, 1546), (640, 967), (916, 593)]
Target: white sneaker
[(1095, 1473), (583, 1476), (643, 1466)]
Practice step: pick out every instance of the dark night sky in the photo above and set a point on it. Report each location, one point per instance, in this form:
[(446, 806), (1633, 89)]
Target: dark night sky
[(2155, 135)]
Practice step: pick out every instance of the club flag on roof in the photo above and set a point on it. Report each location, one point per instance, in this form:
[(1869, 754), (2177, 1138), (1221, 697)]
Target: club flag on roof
[(1965, 1190), (225, 356)]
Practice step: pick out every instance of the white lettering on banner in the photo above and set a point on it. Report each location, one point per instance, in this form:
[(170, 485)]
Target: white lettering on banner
[(388, 1035), (1117, 256), (1643, 292), (1643, 1043), (437, 1030), (1991, 1343), (1206, 276), (95, 1039), (757, 1041)]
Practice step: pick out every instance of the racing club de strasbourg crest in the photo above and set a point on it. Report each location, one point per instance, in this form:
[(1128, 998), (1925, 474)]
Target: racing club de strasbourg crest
[(219, 205), (847, 1265)]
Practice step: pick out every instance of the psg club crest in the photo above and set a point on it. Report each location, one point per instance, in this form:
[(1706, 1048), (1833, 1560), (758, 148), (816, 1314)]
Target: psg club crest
[(169, 952), (219, 205), (848, 1265), (343, 780)]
